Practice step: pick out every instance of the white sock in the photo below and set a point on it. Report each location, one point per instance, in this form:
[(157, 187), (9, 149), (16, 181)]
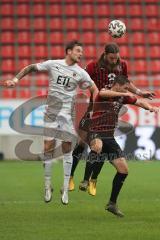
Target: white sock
[(48, 172), (67, 166)]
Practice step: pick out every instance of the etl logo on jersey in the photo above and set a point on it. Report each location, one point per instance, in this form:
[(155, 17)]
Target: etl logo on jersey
[(64, 81)]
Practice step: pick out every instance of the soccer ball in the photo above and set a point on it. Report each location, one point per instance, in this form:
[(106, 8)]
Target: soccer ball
[(116, 28)]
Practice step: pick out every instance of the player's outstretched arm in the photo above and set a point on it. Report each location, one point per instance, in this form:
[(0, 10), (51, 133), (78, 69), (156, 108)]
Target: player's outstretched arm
[(145, 94), (144, 104), (26, 70), (111, 94)]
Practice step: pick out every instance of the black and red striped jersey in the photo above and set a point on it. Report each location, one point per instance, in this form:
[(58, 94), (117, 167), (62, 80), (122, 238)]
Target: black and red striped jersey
[(104, 78), (106, 112)]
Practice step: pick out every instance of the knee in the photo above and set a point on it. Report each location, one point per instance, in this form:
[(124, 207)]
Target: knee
[(121, 166), (48, 147), (96, 145), (66, 147)]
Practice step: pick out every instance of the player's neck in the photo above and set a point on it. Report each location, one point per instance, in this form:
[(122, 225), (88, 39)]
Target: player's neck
[(69, 61)]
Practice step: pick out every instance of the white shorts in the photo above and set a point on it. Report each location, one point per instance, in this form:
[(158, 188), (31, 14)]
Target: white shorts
[(62, 128)]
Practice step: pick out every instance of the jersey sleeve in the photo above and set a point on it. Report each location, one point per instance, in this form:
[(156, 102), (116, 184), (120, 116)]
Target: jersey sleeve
[(124, 69), (44, 66), (86, 78), (90, 69), (129, 100)]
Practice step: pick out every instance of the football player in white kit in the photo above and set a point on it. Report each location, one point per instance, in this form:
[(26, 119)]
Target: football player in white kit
[(65, 75)]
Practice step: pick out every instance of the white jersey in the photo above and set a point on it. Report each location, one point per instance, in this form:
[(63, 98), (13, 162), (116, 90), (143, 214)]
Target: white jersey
[(64, 79)]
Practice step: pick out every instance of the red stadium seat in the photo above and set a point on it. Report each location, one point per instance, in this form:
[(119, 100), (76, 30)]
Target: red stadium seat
[(156, 80), (8, 65), (9, 93), (139, 52), (39, 23), (24, 1), (103, 10), (24, 37), (138, 66), (135, 10), (137, 37), (154, 52), (89, 38), (88, 24), (42, 92), (154, 66), (151, 1), (23, 24), (90, 52), (23, 63), (124, 50), (71, 10), (56, 23), (39, 9), (40, 37), (57, 52), (141, 80), (5, 76), (56, 37), (85, 1), (72, 36), (137, 24), (119, 1), (7, 23), (42, 81), (122, 40), (134, 1), (151, 10), (22, 9), (102, 23), (24, 51), (7, 9), (103, 38), (119, 10), (152, 24), (7, 51), (41, 51), (55, 9), (25, 82), (87, 10), (25, 93), (72, 24), (153, 37), (7, 37)]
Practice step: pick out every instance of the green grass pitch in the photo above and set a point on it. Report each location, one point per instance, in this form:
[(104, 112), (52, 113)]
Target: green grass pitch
[(24, 215)]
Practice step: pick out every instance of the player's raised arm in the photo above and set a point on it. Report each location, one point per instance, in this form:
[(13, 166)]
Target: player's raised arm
[(14, 81), (105, 93), (145, 105), (145, 94)]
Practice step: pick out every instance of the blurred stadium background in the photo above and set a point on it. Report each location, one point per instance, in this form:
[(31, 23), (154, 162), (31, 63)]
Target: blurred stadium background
[(33, 31)]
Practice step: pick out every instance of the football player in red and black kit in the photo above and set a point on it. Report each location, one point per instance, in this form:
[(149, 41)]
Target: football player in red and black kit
[(103, 73), (102, 143)]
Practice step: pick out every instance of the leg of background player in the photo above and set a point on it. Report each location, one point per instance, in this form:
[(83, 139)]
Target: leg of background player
[(122, 172)]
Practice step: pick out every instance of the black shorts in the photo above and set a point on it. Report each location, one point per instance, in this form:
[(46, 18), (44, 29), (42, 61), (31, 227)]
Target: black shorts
[(111, 149)]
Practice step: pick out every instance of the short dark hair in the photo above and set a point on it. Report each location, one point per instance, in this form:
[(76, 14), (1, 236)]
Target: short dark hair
[(72, 44), (121, 80)]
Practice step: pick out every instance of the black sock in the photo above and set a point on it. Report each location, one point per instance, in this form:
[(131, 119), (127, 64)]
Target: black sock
[(77, 154), (91, 161), (97, 169), (117, 185)]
